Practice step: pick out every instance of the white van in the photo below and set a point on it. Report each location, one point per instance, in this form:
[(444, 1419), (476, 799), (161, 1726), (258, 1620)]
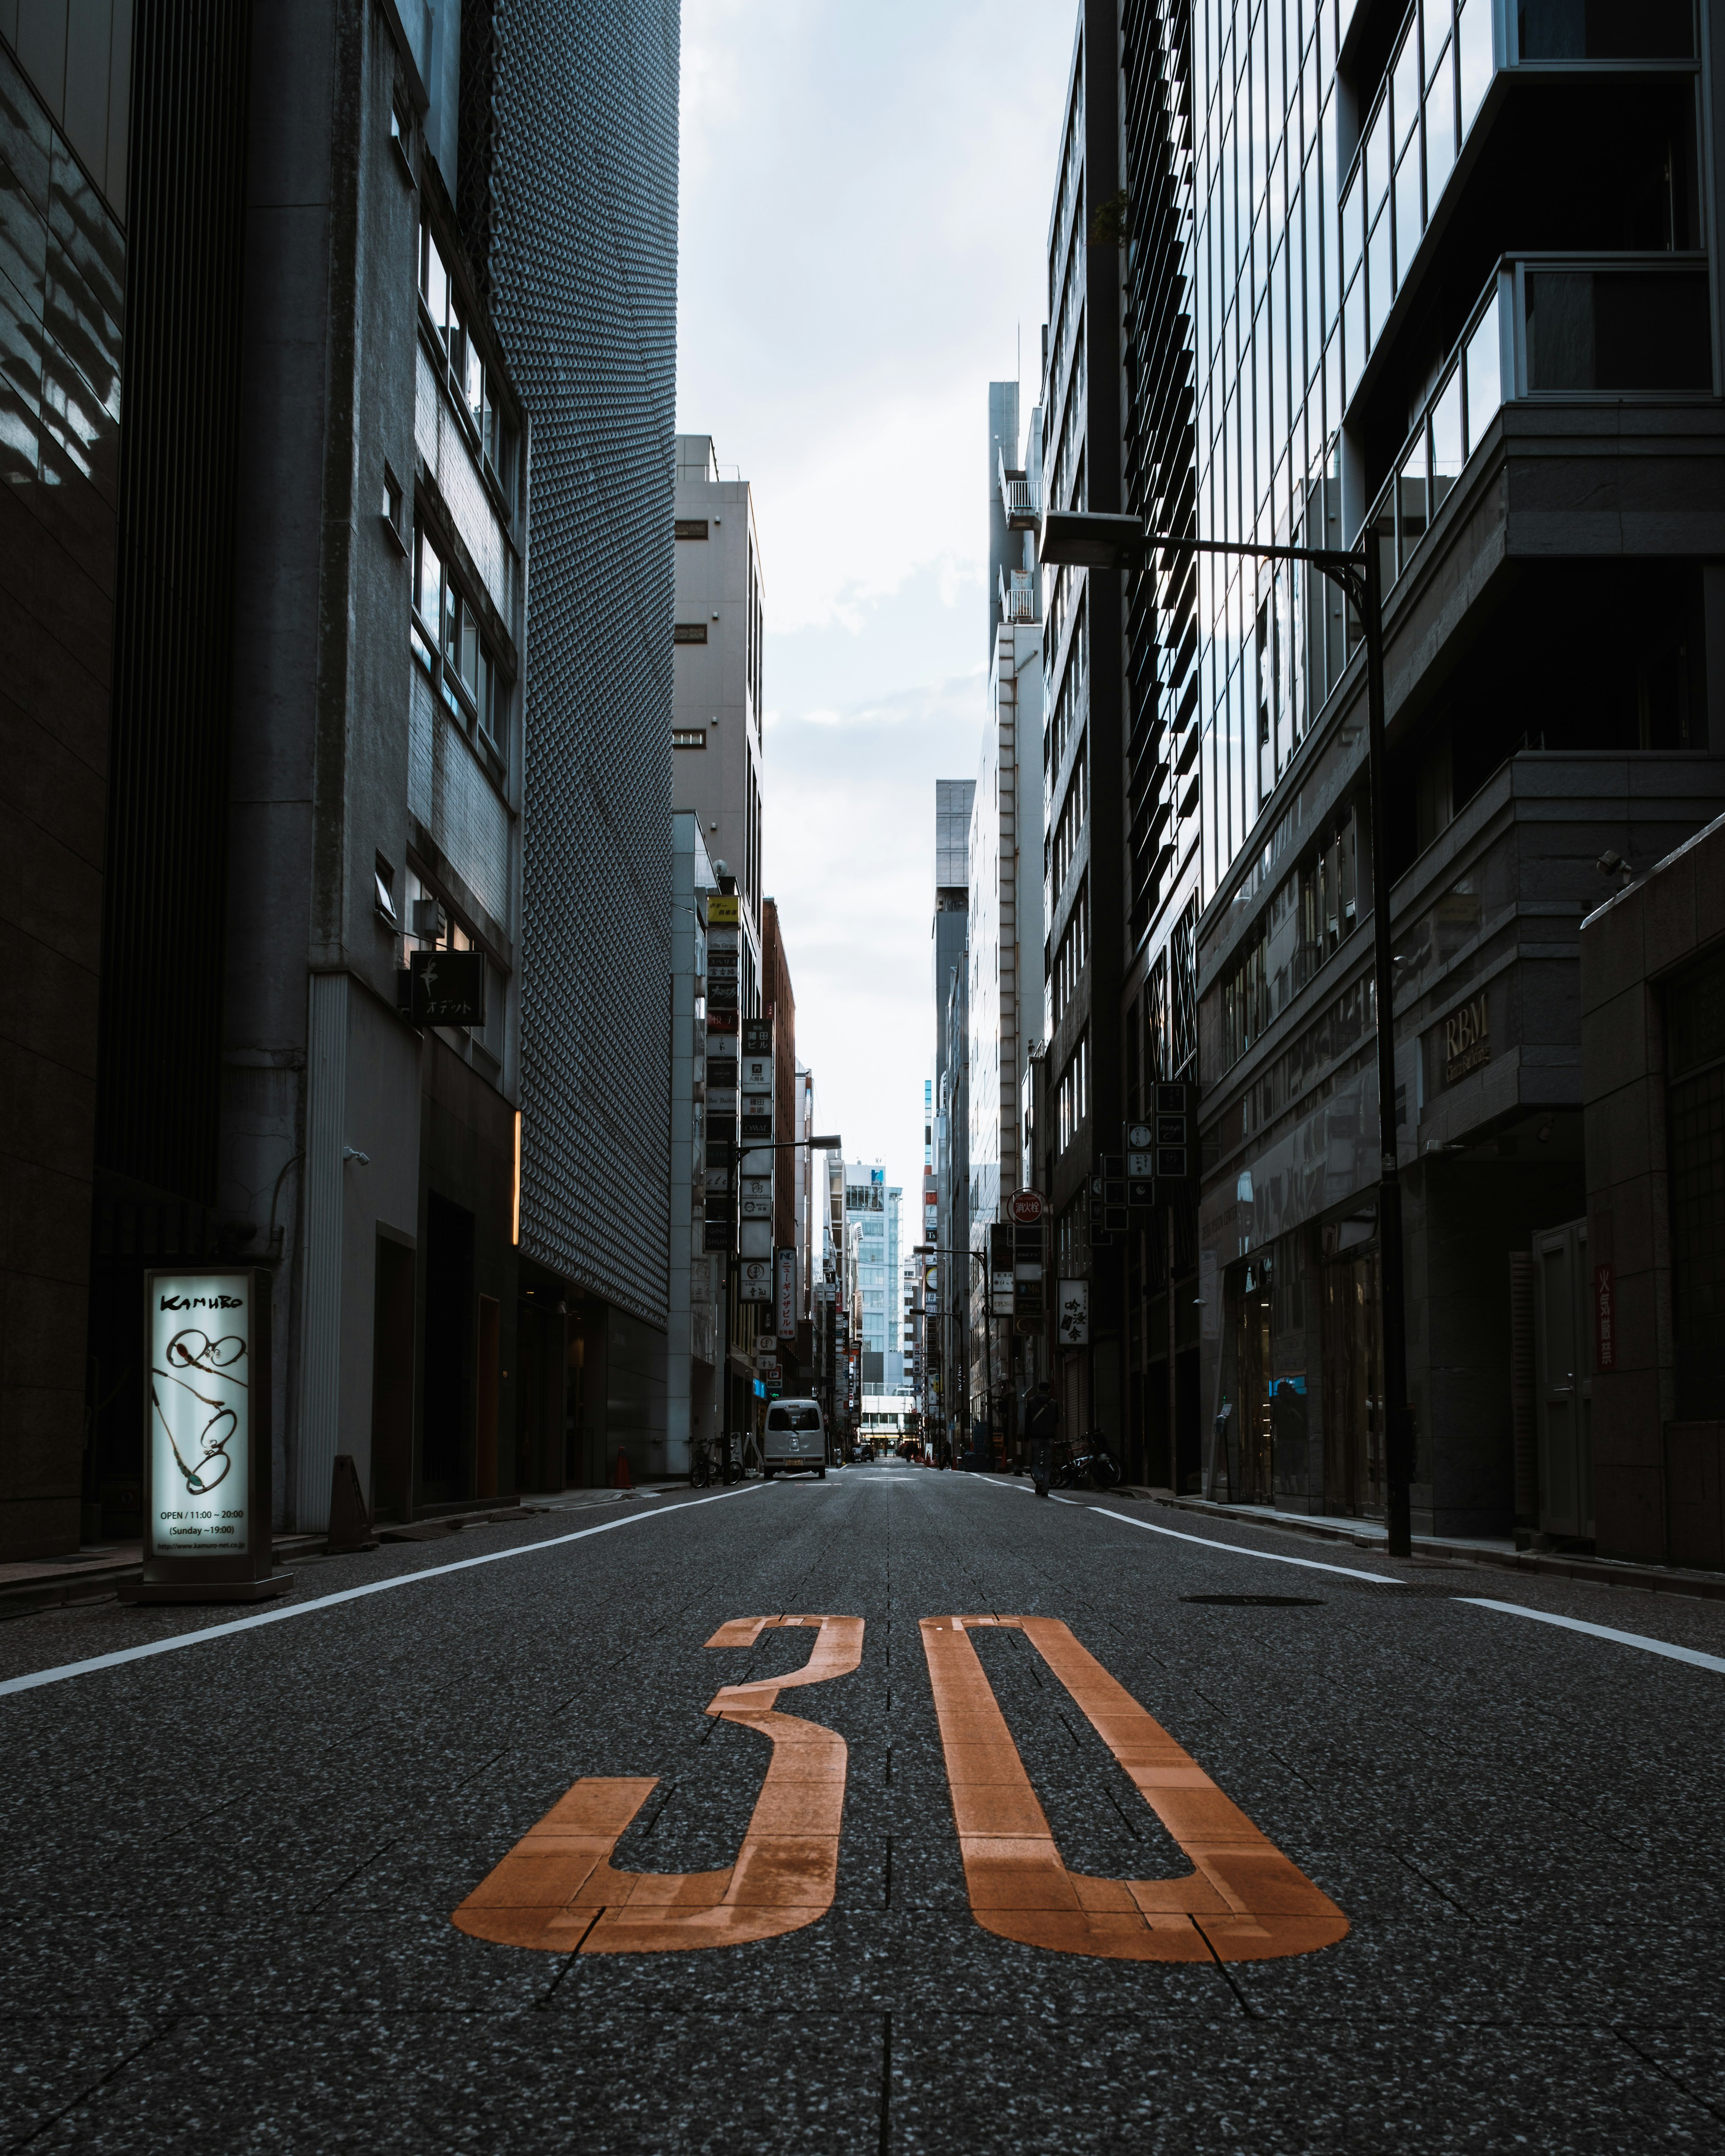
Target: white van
[(796, 1437)]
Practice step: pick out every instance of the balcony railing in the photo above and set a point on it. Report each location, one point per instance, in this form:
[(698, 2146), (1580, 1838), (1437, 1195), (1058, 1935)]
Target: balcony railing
[(1018, 499), (1018, 596), (1570, 328)]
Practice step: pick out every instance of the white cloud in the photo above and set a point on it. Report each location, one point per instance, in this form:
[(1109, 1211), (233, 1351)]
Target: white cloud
[(865, 195)]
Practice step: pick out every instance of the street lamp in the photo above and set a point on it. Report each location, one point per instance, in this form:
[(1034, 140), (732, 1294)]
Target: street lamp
[(1095, 540)]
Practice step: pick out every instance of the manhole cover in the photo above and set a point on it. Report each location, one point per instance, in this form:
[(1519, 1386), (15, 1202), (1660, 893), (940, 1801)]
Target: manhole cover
[(1259, 1601)]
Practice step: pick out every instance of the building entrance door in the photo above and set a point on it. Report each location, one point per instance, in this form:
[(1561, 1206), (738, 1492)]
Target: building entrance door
[(1352, 1387), (1564, 1381)]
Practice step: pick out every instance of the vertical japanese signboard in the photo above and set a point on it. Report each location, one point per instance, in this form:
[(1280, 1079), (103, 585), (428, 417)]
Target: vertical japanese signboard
[(207, 1532), (785, 1292)]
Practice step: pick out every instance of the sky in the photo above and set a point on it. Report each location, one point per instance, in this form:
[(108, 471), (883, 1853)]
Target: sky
[(864, 214)]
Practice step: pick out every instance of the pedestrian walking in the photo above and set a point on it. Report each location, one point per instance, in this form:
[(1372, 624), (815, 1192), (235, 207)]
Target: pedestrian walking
[(1042, 1423)]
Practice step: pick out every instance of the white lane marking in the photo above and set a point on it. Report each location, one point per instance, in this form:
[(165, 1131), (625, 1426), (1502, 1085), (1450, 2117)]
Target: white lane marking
[(348, 1594), (1601, 1632), (1235, 1549)]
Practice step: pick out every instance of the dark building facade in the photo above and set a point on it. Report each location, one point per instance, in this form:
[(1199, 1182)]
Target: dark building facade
[(581, 208), (1084, 741), (1464, 309), (321, 737), (1439, 280), (80, 206)]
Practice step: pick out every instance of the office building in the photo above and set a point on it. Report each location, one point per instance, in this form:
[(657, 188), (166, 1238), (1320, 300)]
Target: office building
[(1436, 281), (950, 1119), (325, 668), (566, 188), (66, 114), (696, 1297), (1004, 998), (1474, 311), (715, 727), (872, 1263)]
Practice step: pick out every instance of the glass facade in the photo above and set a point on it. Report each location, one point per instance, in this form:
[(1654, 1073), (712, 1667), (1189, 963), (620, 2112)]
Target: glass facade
[(1307, 228)]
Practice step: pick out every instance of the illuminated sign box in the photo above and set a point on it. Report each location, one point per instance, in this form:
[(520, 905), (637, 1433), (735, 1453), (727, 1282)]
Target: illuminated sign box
[(207, 1519)]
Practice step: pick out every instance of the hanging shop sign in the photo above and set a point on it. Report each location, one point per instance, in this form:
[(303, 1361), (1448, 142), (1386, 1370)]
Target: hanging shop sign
[(207, 1439), (755, 1280), (785, 1288), (1072, 1311), (1026, 1208), (447, 987), (722, 907)]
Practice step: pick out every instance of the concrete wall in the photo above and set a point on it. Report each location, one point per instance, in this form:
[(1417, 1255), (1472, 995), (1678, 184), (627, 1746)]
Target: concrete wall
[(1657, 1481)]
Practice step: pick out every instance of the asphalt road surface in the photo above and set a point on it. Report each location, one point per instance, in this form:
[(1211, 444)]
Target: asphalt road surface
[(231, 1867)]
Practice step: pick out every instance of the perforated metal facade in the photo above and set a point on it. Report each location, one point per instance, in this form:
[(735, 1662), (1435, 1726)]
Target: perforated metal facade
[(583, 272)]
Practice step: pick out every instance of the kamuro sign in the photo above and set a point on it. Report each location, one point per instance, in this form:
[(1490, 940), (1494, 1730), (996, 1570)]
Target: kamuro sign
[(206, 1437)]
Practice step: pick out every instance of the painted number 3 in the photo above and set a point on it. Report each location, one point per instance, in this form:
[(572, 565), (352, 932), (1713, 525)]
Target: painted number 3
[(1242, 1900)]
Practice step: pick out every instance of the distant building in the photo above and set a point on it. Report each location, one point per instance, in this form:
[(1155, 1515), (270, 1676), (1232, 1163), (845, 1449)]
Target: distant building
[(697, 1302), (872, 1260), (1005, 985), (715, 724)]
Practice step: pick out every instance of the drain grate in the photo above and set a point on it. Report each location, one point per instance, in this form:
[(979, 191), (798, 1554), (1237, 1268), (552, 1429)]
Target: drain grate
[(1259, 1601)]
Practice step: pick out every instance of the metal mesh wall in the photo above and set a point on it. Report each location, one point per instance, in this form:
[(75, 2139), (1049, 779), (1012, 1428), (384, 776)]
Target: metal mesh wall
[(584, 275)]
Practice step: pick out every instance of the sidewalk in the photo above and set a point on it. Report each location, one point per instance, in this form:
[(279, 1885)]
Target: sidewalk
[(1500, 1553), (94, 1574)]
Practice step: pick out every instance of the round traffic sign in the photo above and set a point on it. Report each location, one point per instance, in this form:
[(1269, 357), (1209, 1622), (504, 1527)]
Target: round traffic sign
[(1026, 1208)]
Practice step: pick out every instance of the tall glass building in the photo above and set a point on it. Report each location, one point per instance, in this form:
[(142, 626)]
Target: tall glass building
[(1441, 279), (1454, 295)]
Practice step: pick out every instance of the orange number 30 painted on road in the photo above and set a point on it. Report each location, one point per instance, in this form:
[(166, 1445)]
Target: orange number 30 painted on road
[(1243, 1901)]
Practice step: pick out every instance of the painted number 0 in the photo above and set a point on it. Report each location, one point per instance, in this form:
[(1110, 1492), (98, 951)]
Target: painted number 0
[(1243, 1900)]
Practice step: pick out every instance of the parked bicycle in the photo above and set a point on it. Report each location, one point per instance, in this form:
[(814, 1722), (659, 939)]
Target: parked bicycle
[(1088, 1465)]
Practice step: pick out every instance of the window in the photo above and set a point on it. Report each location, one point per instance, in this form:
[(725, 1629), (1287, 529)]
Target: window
[(473, 386), (1072, 1095), (383, 894), (690, 528), (689, 631), (688, 737), (1063, 841), (1074, 951), (391, 510), (450, 644)]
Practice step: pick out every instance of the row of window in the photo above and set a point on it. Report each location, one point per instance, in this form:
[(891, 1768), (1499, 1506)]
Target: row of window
[(1062, 842), (1311, 914), (1072, 1094), (450, 645), (472, 384), (1069, 704), (1070, 960)]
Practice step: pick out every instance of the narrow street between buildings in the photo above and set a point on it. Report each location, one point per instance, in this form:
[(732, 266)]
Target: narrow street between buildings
[(1187, 1838)]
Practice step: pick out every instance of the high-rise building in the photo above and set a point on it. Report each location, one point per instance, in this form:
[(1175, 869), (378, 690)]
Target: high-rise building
[(67, 116), (697, 1298), (407, 839), (949, 1118), (1004, 987), (565, 185), (720, 628), (1435, 281), (872, 1264)]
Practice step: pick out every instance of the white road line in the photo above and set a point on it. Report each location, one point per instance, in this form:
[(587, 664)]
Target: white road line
[(279, 1616), (1601, 1632), (1233, 1550)]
